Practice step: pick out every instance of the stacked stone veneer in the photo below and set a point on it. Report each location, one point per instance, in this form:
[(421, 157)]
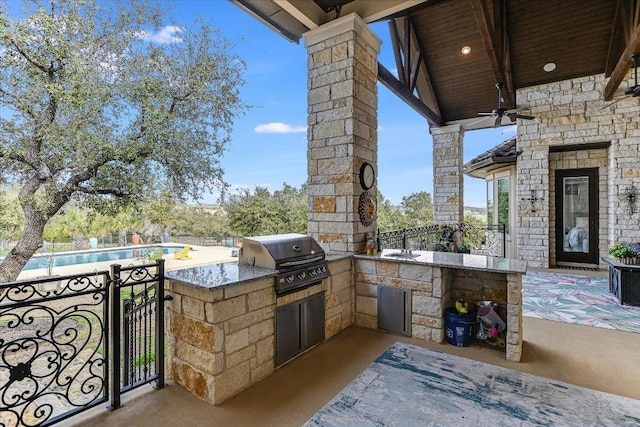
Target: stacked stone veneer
[(342, 128), (433, 289), (573, 112), (221, 340), (448, 178)]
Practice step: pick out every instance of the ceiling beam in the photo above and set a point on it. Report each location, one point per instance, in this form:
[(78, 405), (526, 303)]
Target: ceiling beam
[(491, 43), (389, 80), (375, 10), (624, 62), (413, 74), (306, 12)]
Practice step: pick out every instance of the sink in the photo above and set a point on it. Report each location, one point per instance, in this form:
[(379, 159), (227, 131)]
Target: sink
[(406, 255)]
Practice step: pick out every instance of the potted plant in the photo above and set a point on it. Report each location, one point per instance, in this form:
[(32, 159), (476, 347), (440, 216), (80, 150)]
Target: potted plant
[(623, 253), (464, 249)]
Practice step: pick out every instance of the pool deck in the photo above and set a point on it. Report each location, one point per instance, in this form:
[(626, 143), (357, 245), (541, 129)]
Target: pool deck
[(200, 255)]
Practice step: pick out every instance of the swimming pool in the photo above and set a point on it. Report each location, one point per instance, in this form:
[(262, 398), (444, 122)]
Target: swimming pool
[(62, 259)]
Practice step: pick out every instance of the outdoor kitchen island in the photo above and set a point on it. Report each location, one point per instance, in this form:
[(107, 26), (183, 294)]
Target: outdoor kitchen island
[(433, 281), (222, 321), (221, 334)]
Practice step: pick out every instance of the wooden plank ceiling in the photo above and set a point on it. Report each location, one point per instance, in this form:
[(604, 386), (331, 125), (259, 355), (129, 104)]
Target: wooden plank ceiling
[(510, 40)]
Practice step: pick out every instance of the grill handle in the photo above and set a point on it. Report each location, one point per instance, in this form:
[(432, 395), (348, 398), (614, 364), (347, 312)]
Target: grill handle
[(301, 262)]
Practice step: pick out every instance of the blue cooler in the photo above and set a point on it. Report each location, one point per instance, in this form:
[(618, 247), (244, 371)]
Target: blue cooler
[(459, 327)]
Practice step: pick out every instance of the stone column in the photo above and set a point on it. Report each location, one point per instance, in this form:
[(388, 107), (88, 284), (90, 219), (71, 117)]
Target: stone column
[(448, 179), (342, 132)]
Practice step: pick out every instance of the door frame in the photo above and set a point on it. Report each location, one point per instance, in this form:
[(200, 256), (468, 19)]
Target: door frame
[(590, 257)]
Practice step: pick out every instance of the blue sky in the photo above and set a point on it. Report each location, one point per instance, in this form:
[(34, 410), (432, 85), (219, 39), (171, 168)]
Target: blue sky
[(269, 143), (269, 155)]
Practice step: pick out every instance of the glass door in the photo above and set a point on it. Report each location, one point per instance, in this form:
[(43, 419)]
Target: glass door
[(577, 215)]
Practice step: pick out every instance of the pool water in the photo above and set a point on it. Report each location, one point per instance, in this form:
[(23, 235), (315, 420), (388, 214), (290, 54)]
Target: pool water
[(61, 260)]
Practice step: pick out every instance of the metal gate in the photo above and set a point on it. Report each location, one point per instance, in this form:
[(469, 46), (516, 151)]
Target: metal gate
[(62, 340)]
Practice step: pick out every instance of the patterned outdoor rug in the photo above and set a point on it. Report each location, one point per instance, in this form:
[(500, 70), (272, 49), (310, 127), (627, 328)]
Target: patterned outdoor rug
[(576, 299), (412, 386)]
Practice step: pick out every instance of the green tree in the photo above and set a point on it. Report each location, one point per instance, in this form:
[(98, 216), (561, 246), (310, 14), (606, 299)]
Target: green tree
[(94, 110), (292, 207), (161, 211), (11, 217), (258, 212), (418, 209), (389, 217)]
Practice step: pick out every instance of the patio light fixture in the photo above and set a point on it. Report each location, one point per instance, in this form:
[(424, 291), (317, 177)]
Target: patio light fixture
[(549, 67), (630, 198), (465, 50)]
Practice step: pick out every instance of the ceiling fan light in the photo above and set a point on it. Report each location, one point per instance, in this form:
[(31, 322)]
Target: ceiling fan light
[(549, 67), (465, 50)]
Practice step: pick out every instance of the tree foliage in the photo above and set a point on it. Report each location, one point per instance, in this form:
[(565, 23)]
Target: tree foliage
[(95, 110), (11, 216), (258, 212), (415, 210)]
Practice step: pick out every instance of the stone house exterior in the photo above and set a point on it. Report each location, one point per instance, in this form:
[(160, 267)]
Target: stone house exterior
[(574, 131)]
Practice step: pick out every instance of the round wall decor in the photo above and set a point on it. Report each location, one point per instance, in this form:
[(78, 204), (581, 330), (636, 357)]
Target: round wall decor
[(367, 176), (366, 209)]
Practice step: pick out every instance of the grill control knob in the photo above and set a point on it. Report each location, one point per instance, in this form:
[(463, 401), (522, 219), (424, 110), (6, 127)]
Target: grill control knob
[(323, 269), (289, 279), (313, 272), (302, 275)]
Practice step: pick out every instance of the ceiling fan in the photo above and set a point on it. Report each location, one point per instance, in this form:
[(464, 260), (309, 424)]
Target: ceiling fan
[(500, 112)]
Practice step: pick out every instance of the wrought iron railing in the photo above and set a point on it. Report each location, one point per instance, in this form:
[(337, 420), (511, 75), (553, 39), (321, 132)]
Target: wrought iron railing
[(479, 239), (61, 341)]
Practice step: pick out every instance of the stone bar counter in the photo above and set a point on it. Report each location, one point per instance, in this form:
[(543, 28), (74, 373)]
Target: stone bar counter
[(435, 281), (220, 323)]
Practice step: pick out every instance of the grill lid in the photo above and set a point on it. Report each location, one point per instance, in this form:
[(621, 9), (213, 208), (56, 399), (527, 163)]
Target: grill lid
[(280, 251)]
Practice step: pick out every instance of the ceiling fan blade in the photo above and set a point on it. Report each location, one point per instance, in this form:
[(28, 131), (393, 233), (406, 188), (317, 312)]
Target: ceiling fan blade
[(486, 114), (518, 110), (520, 116), (614, 102), (498, 121), (468, 125), (514, 116)]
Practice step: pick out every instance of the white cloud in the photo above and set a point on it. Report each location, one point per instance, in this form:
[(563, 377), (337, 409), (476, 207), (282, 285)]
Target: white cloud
[(277, 127), (168, 34)]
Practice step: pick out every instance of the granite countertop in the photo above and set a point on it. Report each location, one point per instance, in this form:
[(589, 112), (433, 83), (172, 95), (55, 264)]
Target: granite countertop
[(215, 275), (452, 260)]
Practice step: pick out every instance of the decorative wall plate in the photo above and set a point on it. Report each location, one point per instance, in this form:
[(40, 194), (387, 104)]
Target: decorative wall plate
[(366, 209)]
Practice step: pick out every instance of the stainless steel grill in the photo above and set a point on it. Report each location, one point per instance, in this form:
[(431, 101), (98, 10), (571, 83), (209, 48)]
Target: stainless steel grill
[(299, 260)]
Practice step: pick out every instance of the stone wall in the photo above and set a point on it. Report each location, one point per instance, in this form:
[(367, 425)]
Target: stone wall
[(221, 340), (448, 178), (339, 297), (342, 128), (426, 291), (435, 288), (572, 112)]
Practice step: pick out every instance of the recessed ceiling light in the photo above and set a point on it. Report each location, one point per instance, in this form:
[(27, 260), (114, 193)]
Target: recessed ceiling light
[(465, 50), (549, 67)]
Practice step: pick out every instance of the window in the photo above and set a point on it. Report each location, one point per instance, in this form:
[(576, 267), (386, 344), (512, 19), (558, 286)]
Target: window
[(490, 202), (503, 202)]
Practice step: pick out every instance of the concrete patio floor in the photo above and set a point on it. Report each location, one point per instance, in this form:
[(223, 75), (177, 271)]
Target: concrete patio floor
[(595, 358)]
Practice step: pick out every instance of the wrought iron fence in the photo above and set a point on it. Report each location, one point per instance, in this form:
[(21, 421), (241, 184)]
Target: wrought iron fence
[(62, 339), (478, 239)]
